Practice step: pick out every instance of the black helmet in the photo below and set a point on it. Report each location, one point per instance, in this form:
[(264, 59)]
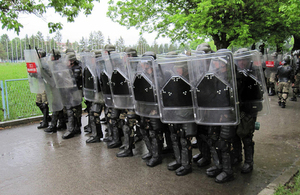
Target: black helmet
[(131, 51)]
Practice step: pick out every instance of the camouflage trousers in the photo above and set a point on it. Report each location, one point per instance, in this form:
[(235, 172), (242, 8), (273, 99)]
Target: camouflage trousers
[(296, 86), (41, 98), (283, 91)]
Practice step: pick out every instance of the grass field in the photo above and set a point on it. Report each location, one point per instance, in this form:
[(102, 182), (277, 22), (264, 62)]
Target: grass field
[(21, 102)]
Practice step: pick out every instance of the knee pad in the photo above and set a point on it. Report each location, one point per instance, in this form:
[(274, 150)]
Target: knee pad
[(222, 145), (228, 132)]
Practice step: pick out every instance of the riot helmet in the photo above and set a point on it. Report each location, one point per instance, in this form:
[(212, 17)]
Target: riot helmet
[(131, 52), (286, 60), (41, 53), (150, 53), (55, 54), (296, 53), (109, 48), (242, 63), (204, 47), (70, 50), (72, 58), (97, 53)]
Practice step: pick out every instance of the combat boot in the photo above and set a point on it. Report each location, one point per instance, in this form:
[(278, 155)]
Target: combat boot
[(206, 155), (51, 129), (127, 152), (248, 151), (116, 139), (177, 153), (227, 172), (293, 99), (186, 157), (282, 104), (71, 130), (213, 171), (156, 148), (45, 110), (96, 133), (147, 142)]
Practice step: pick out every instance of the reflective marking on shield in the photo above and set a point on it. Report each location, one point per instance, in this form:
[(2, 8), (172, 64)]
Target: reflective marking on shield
[(212, 92), (177, 93), (31, 67), (143, 90)]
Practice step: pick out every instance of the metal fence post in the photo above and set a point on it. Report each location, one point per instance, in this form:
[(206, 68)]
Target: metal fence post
[(7, 114), (3, 99)]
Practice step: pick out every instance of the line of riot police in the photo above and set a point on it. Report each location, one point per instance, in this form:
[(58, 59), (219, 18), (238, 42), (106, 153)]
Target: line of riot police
[(215, 97)]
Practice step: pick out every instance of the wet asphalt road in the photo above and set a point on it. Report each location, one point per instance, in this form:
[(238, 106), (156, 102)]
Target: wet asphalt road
[(33, 162)]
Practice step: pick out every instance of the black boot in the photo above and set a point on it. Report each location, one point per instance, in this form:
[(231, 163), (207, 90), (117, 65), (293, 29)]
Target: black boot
[(61, 121), (227, 172), (157, 144), (213, 171), (127, 142), (108, 135), (96, 131), (236, 153), (206, 156), (146, 139), (293, 99), (52, 127), (70, 125), (87, 128), (177, 152), (116, 139), (186, 158), (248, 151), (45, 110)]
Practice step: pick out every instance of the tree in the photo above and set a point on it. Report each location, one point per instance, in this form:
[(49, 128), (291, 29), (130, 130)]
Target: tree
[(120, 45), (3, 55), (237, 22), (58, 39), (10, 11)]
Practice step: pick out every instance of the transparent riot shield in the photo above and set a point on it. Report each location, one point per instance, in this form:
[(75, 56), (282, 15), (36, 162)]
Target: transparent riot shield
[(271, 64), (174, 90), (141, 76), (91, 85), (120, 83), (54, 97), (253, 97), (214, 89), (65, 81), (104, 72), (33, 65)]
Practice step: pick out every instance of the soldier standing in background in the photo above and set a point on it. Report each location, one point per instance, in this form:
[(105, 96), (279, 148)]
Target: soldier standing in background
[(285, 76), (296, 84)]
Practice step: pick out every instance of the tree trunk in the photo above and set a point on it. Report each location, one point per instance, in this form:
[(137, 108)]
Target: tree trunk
[(296, 42)]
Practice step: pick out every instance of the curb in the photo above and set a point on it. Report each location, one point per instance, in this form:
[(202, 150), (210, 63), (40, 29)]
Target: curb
[(20, 121), (282, 179)]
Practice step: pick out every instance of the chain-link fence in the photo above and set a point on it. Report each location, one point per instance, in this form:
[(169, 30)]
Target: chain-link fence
[(17, 100)]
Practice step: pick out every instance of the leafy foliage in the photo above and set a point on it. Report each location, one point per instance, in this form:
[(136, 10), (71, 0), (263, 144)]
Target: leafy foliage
[(70, 9)]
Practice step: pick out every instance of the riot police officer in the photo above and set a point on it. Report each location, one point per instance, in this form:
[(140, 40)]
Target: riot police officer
[(130, 122), (74, 106), (41, 100), (296, 84), (285, 76), (58, 120)]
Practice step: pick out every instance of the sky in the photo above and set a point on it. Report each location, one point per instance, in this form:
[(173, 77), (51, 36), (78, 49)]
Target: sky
[(82, 27)]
